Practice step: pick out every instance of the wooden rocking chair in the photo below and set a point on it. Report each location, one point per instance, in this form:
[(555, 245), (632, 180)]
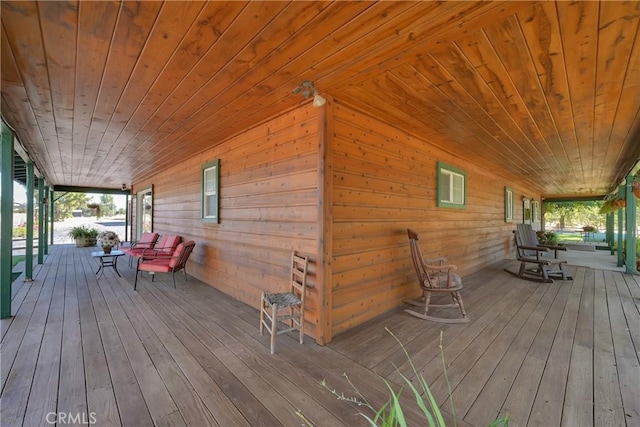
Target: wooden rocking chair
[(434, 276), (529, 251)]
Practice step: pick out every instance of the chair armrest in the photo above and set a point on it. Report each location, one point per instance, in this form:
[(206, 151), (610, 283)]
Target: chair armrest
[(449, 267), (535, 248), (434, 260), (155, 256), (555, 249)]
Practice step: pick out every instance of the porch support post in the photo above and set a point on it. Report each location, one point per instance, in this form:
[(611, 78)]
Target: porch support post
[(6, 221), (630, 260), (51, 218), (28, 262), (621, 240), (41, 221), (45, 207), (126, 219), (610, 231)]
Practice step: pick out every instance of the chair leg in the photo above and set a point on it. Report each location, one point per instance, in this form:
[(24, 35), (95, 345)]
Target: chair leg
[(135, 282), (301, 324), (274, 327), (458, 300), (427, 301), (173, 276)]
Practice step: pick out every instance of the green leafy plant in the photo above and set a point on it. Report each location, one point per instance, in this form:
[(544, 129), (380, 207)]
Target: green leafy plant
[(547, 238), (608, 207), (82, 232), (391, 414)]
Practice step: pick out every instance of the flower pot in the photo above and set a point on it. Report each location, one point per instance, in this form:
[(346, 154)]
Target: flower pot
[(106, 249), (620, 203), (82, 242)]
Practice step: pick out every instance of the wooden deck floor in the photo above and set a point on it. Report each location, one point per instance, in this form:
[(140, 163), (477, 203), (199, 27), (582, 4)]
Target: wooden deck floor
[(95, 350)]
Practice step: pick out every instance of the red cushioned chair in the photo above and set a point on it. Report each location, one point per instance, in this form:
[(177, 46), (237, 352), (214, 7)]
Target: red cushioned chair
[(147, 240), (162, 263), (164, 247)]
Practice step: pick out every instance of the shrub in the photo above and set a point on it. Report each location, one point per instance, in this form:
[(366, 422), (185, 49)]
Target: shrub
[(547, 238), (83, 231)]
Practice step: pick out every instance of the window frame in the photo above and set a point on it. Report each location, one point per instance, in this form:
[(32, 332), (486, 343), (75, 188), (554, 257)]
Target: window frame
[(535, 211), (509, 204), (214, 219), (446, 173), (141, 196)]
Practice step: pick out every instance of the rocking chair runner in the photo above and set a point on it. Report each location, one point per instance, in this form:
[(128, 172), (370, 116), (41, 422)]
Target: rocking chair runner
[(435, 276), (529, 251)]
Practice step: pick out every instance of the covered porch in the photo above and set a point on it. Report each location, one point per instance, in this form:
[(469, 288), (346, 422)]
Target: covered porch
[(545, 354)]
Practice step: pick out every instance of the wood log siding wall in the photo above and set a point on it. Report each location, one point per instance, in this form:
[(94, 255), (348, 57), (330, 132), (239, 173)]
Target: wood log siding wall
[(384, 180), (268, 207), (376, 179)]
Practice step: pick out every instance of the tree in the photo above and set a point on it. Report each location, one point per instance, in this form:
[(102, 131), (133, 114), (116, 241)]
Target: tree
[(574, 214), (66, 203), (107, 205)]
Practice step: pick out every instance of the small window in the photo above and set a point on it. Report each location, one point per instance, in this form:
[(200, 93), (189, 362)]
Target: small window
[(451, 187), (210, 188), (508, 204)]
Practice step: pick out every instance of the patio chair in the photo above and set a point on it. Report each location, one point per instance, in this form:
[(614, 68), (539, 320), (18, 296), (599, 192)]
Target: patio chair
[(162, 263), (434, 276), (286, 307), (165, 246), (147, 240), (530, 252)]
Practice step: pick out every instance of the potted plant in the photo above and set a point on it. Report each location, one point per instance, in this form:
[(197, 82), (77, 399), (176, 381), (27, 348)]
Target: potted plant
[(635, 184), (83, 235), (607, 207), (108, 239)]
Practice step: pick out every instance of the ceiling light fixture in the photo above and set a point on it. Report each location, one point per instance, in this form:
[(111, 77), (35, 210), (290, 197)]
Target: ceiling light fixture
[(307, 88)]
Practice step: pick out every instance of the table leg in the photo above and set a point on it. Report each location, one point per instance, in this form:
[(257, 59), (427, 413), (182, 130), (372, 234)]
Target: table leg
[(100, 269), (115, 265)]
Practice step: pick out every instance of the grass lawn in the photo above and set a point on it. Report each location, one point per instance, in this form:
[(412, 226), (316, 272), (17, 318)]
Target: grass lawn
[(569, 237), (16, 259)]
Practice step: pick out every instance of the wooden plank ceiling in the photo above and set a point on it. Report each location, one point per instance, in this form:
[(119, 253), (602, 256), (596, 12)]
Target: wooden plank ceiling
[(102, 93)]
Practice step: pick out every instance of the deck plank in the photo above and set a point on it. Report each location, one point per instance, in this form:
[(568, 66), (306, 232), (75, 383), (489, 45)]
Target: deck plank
[(187, 400), (578, 401), (15, 393), (158, 400), (562, 353), (44, 389), (489, 403), (213, 396), (131, 405), (480, 369), (549, 400), (101, 398), (287, 379), (72, 398), (607, 400), (626, 353), (521, 396)]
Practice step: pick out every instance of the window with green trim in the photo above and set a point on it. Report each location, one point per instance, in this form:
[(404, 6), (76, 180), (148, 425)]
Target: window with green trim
[(210, 191), (509, 206), (452, 191)]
